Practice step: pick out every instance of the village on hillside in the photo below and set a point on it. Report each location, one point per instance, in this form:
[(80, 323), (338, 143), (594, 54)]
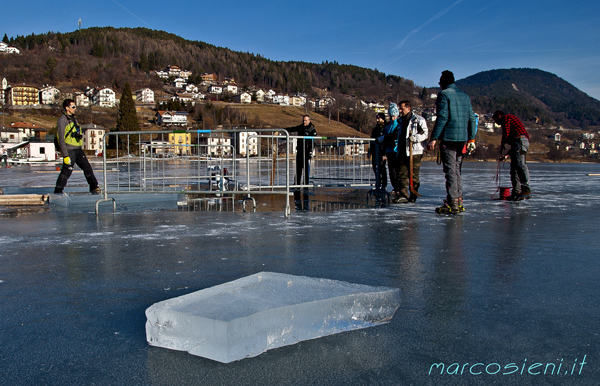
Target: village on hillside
[(23, 140)]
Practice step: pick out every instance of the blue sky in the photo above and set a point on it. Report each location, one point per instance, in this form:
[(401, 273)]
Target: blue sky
[(416, 40)]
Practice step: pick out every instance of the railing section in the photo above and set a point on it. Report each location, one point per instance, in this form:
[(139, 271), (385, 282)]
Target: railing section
[(235, 161)]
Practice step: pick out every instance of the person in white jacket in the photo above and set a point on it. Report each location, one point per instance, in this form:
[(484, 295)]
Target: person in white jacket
[(412, 134)]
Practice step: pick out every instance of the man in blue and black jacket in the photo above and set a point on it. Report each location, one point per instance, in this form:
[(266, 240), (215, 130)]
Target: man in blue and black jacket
[(455, 127)]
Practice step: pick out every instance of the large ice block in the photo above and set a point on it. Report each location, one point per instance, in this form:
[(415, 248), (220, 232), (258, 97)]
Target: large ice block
[(246, 317)]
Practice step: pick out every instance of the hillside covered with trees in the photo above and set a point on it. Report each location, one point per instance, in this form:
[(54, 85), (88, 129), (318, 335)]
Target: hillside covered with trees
[(111, 57)]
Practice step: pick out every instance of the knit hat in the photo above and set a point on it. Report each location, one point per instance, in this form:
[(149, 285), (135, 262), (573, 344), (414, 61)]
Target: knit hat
[(393, 110)]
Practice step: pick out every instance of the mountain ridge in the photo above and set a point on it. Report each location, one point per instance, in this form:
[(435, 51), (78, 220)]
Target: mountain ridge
[(533, 95)]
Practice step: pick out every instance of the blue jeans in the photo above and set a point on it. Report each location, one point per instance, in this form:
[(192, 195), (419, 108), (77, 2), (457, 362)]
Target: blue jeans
[(519, 172), (452, 155)]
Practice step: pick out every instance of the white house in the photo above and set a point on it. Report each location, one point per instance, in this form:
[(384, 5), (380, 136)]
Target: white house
[(104, 97), (259, 95), (49, 95), (81, 99), (3, 92), (215, 89), (145, 95), (8, 49), (186, 98), (162, 74), (174, 71), (216, 146), (247, 143), (353, 149), (185, 74), (269, 95), (92, 137), (191, 88), (243, 98), (198, 96), (12, 135), (41, 151), (281, 99), (324, 102), (179, 82), (27, 130), (297, 100), (172, 118), (231, 88), (374, 105)]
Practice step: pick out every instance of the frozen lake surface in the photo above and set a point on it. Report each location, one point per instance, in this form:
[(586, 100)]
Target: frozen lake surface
[(486, 295)]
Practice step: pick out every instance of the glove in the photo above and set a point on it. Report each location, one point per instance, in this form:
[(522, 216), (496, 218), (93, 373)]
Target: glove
[(413, 138), (67, 161), (471, 147)]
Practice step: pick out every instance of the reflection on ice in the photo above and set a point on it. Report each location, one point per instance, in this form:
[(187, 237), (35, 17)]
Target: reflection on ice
[(502, 282)]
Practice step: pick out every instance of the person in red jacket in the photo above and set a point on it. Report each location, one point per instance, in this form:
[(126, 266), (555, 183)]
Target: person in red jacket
[(514, 134)]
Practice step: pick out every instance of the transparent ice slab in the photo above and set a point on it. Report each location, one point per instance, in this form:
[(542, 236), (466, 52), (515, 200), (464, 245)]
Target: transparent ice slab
[(246, 317)]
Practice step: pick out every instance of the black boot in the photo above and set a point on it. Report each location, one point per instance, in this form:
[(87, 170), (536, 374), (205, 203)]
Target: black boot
[(448, 208), (524, 195)]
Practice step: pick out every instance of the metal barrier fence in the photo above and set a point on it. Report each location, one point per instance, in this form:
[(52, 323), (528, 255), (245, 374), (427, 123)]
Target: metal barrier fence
[(227, 162)]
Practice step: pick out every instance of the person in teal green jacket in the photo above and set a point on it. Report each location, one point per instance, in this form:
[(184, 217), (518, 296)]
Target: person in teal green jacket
[(389, 139), (455, 127)]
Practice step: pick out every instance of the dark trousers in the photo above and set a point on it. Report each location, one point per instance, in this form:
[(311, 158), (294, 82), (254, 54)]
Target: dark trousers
[(392, 166), (78, 158), (302, 170), (382, 172), (378, 164)]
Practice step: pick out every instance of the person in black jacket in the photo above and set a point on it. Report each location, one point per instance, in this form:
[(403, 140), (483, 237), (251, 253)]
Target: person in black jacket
[(304, 149), (377, 152)]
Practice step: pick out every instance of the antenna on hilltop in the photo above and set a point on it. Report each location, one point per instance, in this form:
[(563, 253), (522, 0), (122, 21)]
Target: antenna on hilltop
[(79, 23)]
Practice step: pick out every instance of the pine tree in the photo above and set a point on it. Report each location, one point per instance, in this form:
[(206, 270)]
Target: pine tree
[(144, 64), (5, 39), (127, 119)]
